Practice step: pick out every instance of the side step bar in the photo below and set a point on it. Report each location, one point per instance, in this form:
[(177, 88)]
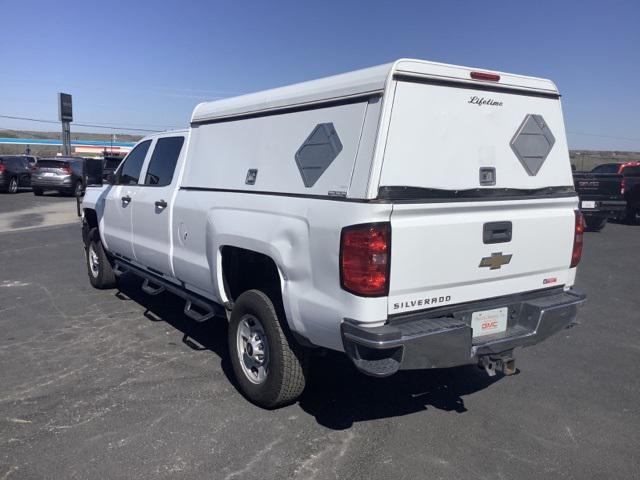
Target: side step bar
[(150, 289), (197, 308), (196, 314)]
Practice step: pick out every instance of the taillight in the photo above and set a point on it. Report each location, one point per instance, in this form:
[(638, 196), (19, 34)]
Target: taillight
[(2, 168), (623, 186), (577, 239), (67, 170), (492, 77), (365, 259)]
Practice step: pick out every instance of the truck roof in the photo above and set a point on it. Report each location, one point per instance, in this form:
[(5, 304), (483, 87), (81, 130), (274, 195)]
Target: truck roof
[(359, 83)]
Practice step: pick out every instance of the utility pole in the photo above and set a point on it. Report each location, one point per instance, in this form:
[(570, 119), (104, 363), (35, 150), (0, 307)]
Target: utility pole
[(65, 113)]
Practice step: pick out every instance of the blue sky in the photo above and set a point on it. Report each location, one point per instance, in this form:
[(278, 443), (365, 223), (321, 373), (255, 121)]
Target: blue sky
[(145, 64)]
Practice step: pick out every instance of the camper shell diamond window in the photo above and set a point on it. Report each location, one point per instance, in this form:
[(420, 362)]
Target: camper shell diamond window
[(317, 152)]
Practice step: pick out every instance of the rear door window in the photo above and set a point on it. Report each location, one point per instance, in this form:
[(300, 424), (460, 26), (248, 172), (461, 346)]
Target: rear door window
[(129, 172), (163, 161)]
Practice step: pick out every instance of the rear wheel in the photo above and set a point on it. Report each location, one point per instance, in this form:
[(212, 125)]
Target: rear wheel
[(37, 191), (98, 266), (595, 224), (13, 185), (269, 366), (630, 215), (78, 189)]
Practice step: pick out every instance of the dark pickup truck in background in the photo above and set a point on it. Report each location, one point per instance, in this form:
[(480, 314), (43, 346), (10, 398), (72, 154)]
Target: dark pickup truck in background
[(609, 191)]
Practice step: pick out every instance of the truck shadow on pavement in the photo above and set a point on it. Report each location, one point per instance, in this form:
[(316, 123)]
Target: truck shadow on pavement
[(337, 395)]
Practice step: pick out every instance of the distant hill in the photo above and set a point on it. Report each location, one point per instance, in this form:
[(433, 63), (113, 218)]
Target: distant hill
[(583, 159), (43, 150)]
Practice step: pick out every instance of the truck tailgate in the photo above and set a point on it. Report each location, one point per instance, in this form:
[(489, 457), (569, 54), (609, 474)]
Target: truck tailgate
[(439, 255), (598, 185)]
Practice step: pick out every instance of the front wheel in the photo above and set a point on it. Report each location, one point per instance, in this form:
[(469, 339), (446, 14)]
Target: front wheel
[(98, 266), (268, 365), (595, 224)]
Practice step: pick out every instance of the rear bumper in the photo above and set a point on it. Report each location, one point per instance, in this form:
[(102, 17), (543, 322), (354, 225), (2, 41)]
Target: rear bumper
[(52, 183), (605, 208), (422, 340)]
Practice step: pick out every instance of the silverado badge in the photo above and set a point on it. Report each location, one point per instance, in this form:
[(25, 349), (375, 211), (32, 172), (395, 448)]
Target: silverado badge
[(495, 261)]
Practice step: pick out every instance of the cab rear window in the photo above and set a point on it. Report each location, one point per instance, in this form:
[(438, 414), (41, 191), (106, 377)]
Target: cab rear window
[(632, 171), (606, 168)]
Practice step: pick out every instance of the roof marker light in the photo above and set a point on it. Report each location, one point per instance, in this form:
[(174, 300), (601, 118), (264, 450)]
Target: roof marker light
[(492, 77)]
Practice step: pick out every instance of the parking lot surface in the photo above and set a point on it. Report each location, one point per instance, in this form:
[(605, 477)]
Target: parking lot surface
[(24, 211), (120, 385)]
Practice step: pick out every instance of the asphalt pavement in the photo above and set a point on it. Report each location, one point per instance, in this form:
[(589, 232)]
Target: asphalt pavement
[(25, 211), (119, 385)]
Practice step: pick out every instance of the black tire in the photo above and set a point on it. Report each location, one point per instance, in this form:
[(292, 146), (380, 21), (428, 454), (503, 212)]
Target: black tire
[(595, 224), (37, 191), (13, 185), (630, 215), (99, 267), (287, 361), (78, 189)]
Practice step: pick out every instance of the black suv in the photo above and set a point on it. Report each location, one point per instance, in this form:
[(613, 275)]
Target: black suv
[(15, 172), (64, 174)]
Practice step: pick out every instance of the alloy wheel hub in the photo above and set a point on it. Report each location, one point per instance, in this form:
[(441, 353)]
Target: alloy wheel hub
[(252, 349)]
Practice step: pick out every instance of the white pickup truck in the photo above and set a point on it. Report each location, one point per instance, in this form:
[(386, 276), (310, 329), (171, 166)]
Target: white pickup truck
[(411, 215)]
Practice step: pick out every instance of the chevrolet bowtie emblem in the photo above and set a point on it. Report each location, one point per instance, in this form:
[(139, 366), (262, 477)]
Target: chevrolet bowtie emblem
[(495, 261)]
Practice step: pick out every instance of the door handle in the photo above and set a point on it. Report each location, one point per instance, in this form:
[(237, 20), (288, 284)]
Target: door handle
[(497, 232), (126, 199), (161, 204)]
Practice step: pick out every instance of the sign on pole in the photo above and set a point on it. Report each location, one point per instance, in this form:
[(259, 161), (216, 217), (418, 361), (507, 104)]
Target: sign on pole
[(65, 107), (65, 113)]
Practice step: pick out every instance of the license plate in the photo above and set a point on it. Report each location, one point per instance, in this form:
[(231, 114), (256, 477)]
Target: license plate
[(48, 174), (488, 322), (588, 204)]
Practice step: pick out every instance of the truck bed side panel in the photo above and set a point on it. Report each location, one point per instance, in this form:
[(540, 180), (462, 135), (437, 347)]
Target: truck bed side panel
[(301, 236)]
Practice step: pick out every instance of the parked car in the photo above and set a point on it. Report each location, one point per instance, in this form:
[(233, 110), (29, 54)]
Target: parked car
[(610, 190), (15, 172), (63, 174), (377, 213)]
